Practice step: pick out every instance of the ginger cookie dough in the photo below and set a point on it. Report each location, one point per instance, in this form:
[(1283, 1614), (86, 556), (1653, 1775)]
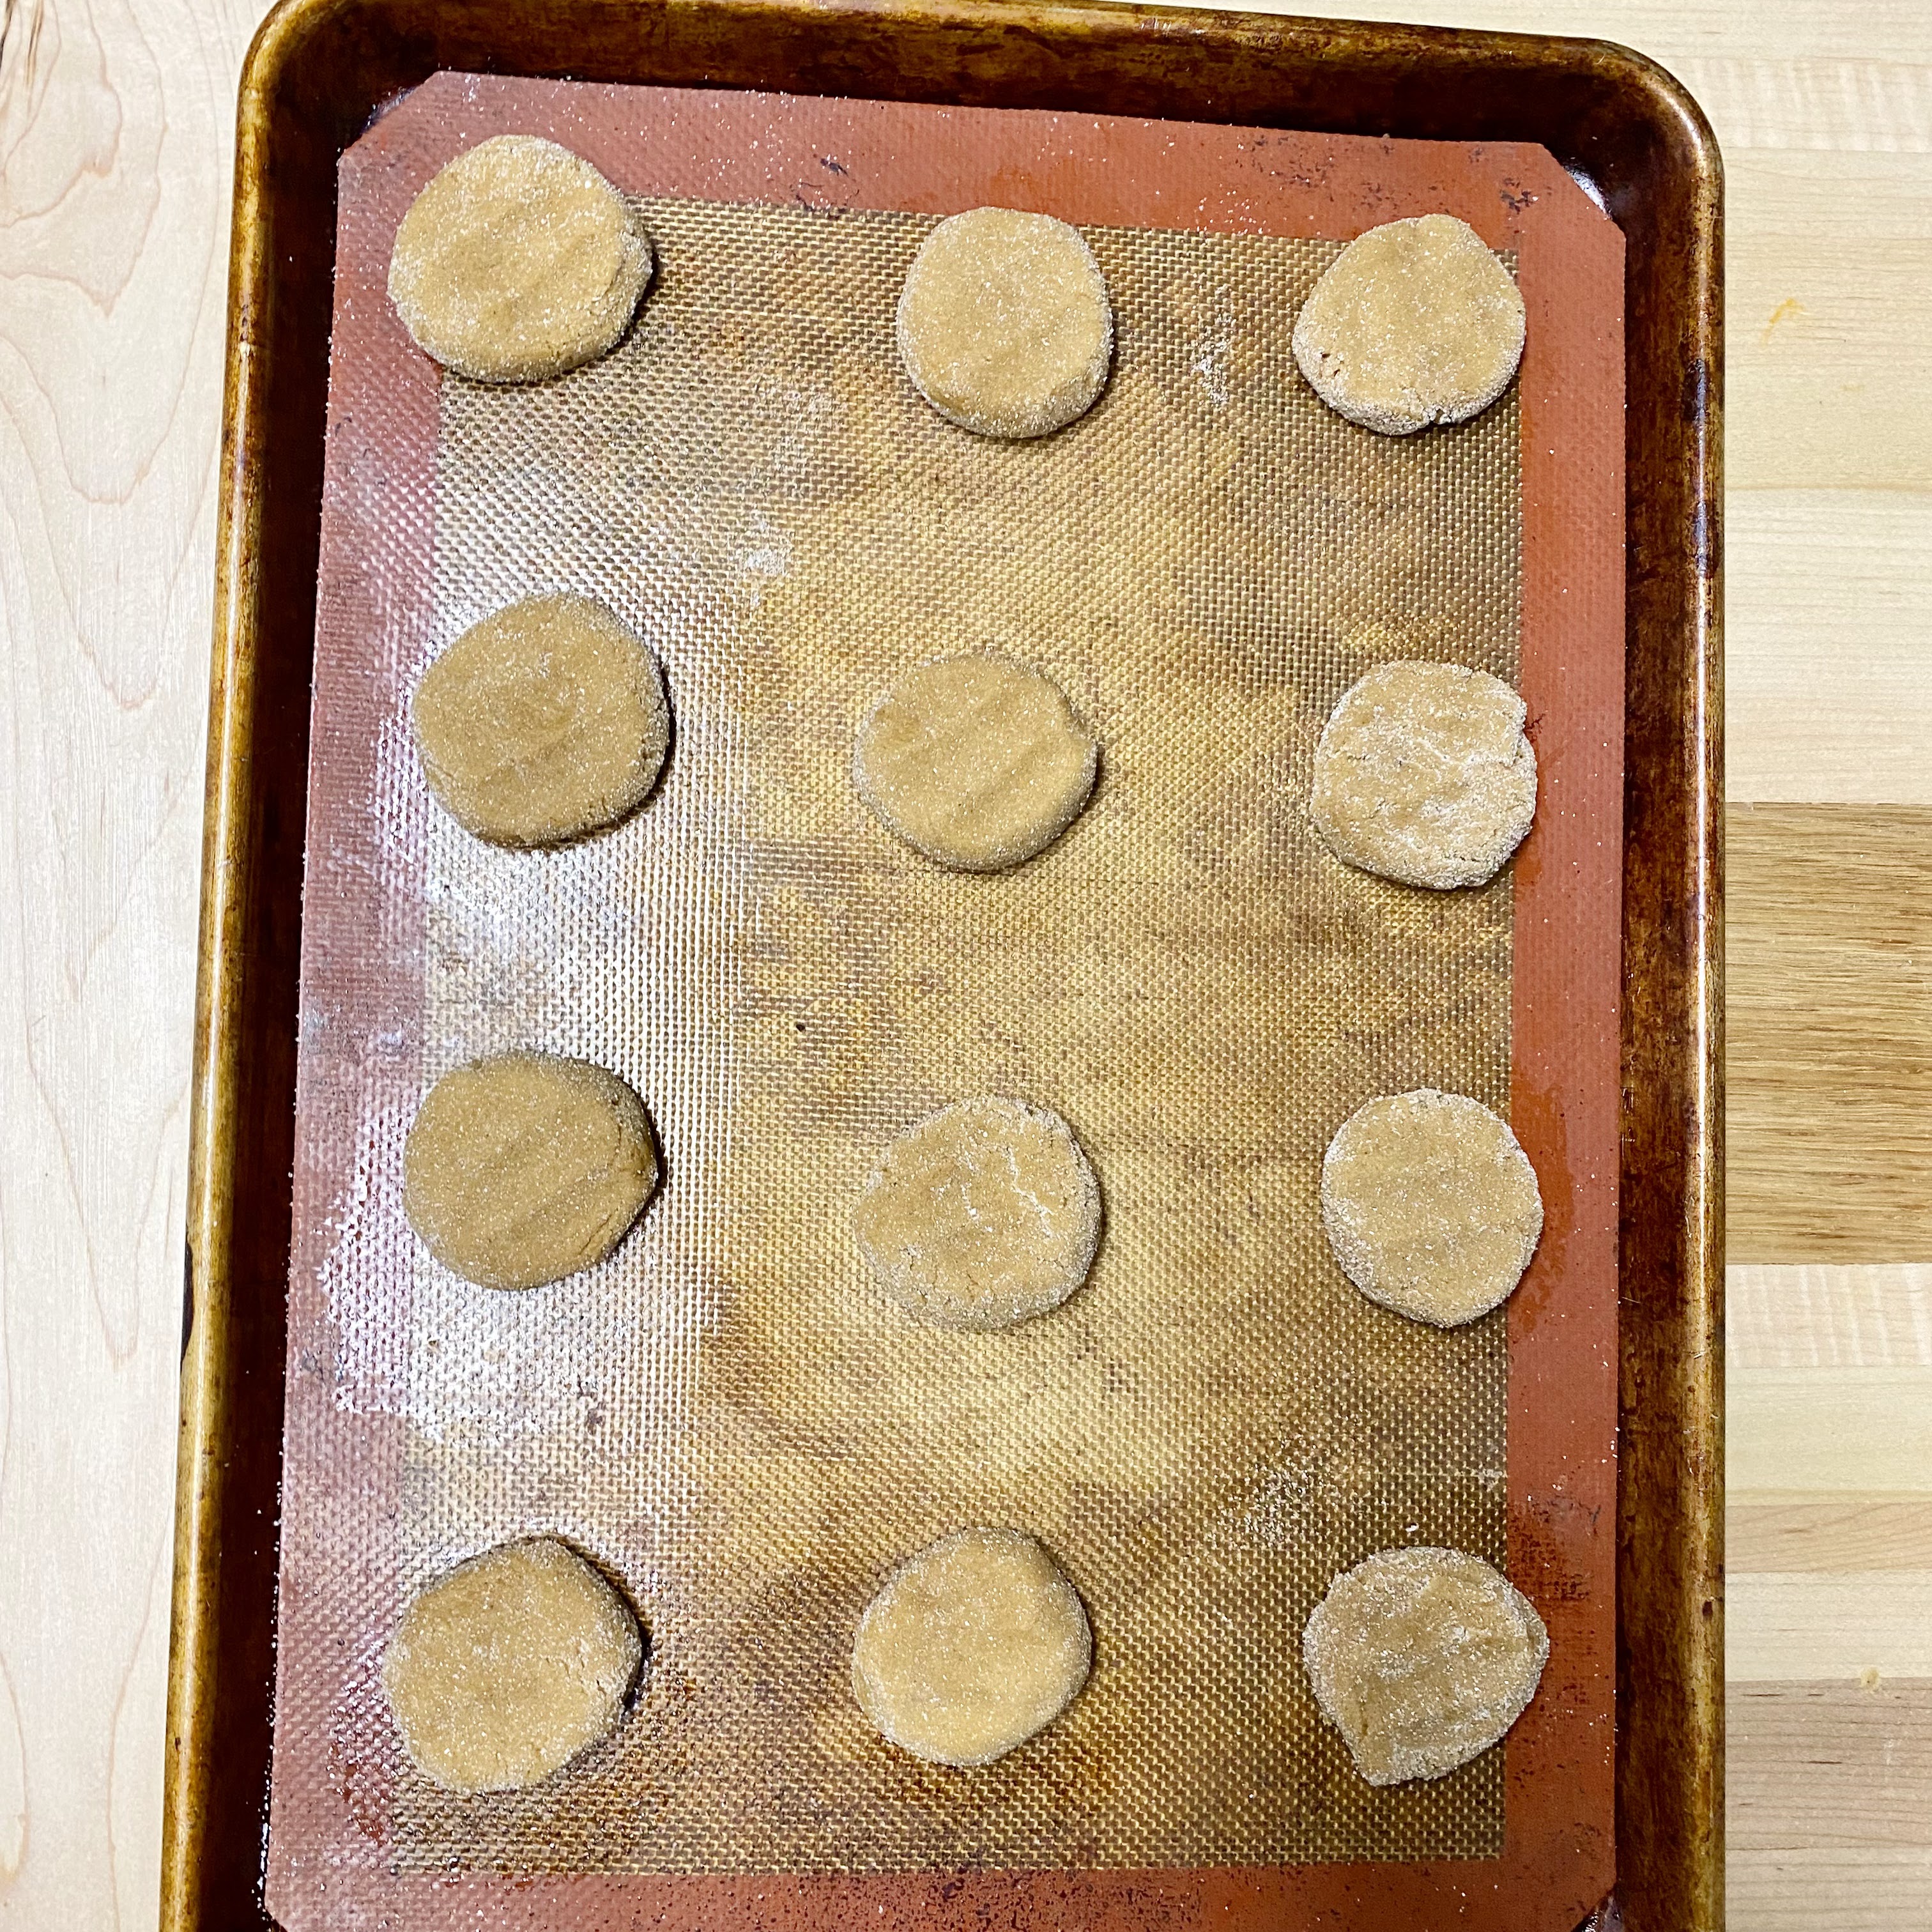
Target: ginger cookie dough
[(527, 1167), (1422, 1658), (1431, 1206), (973, 1646), (545, 721), (502, 1671), (978, 762), (518, 261), (1004, 325), (1423, 775), (1415, 322), (982, 1215)]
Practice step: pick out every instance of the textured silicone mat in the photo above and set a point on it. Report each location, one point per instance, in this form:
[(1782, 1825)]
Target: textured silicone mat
[(1218, 1422), (724, 1414)]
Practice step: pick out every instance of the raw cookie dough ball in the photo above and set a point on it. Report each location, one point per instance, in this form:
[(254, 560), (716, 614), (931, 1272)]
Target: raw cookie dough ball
[(973, 1646), (1415, 322), (1431, 1205), (1004, 325), (984, 1213), (543, 722), (978, 761), (525, 1168), (518, 261), (1423, 774), (500, 1673), (1421, 1658)]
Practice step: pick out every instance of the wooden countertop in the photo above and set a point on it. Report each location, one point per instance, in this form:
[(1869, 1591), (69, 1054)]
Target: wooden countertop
[(116, 125)]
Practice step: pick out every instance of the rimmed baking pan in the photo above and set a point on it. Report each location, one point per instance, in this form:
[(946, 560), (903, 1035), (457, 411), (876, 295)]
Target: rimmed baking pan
[(316, 74)]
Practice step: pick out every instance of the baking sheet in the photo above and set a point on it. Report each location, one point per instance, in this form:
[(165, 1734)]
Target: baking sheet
[(724, 1414)]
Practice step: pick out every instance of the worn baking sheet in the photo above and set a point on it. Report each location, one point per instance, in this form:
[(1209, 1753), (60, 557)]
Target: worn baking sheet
[(1204, 1018)]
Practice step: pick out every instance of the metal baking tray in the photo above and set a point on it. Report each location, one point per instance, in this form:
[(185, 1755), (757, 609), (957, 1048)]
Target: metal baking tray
[(317, 72)]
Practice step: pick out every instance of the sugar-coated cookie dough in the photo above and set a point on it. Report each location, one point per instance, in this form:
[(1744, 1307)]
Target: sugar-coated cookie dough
[(546, 720), (1431, 1205), (1415, 322), (973, 1646), (1423, 774), (527, 1167), (1421, 1658), (502, 1671), (518, 261), (977, 761), (1004, 325), (980, 1215)]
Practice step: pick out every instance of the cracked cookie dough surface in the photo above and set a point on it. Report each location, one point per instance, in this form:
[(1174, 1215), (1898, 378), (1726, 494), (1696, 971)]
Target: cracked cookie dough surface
[(1422, 1658), (1423, 775), (1415, 322), (981, 1215)]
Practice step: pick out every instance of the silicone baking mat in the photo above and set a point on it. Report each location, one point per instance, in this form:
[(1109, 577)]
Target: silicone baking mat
[(724, 1414)]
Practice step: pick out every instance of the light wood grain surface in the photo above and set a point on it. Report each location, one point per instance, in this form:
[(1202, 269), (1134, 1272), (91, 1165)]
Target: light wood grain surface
[(115, 123)]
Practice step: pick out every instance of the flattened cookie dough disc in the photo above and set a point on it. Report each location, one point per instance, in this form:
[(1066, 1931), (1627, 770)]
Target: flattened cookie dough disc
[(973, 1646), (977, 761), (527, 1167), (1431, 1205), (546, 720), (1415, 322), (502, 1671), (983, 1214), (1422, 1658), (518, 261), (1423, 775), (1004, 325)]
